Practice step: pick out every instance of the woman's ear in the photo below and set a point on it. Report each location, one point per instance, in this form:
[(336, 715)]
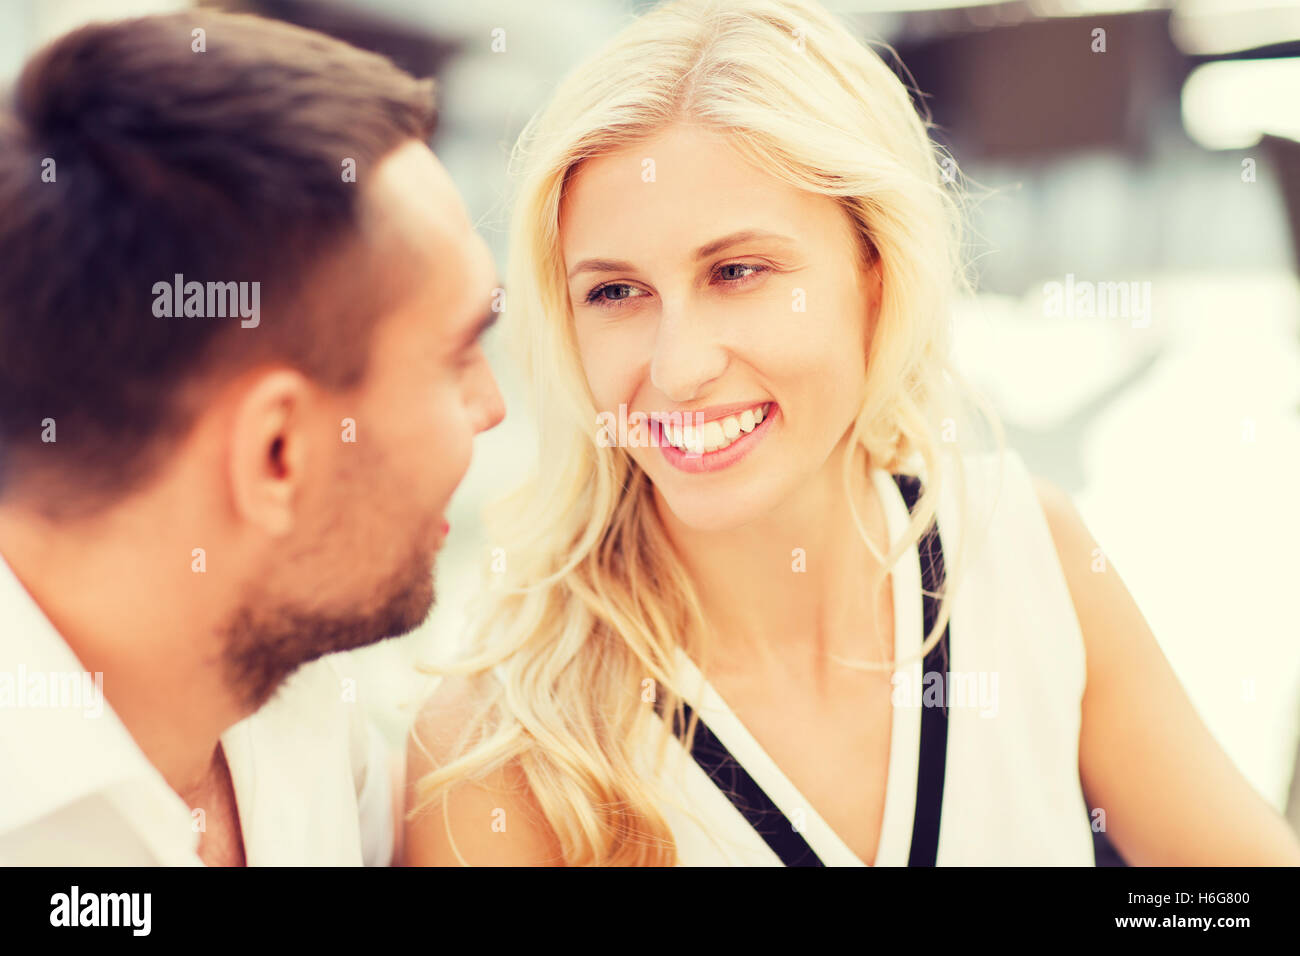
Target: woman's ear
[(872, 292)]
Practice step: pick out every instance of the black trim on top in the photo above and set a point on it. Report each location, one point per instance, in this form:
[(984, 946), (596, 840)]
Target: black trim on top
[(934, 720), (746, 795), (761, 811)]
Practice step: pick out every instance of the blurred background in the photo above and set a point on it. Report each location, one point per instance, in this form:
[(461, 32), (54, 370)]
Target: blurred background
[(1136, 180)]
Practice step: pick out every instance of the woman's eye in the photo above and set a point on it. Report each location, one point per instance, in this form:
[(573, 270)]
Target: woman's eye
[(612, 292), (739, 271)]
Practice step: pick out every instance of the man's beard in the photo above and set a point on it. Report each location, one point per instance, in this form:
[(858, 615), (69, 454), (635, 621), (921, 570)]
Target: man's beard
[(264, 645)]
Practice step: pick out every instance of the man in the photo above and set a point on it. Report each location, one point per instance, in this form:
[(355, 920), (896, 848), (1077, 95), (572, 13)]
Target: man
[(240, 375)]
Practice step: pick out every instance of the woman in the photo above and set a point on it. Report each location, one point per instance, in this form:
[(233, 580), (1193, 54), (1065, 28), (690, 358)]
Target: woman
[(705, 636)]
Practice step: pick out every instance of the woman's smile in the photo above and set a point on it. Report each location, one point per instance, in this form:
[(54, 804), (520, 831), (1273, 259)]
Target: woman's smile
[(717, 443)]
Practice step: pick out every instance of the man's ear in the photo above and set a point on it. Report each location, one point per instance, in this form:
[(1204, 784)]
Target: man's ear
[(268, 449)]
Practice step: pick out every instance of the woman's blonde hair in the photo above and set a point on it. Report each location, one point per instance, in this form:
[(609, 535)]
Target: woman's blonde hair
[(593, 605)]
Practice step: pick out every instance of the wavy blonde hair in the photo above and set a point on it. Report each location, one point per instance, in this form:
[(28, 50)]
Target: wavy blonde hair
[(593, 602)]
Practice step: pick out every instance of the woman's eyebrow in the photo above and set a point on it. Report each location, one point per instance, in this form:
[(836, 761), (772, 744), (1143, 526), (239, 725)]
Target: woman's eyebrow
[(601, 265), (745, 235), (706, 250)]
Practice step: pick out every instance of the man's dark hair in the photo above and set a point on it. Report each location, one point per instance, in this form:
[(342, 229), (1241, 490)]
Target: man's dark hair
[(127, 156)]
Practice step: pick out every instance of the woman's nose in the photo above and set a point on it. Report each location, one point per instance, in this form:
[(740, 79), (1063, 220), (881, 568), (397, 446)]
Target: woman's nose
[(686, 357)]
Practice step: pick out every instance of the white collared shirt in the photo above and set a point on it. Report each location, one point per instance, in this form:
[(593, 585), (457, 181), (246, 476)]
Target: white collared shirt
[(310, 774)]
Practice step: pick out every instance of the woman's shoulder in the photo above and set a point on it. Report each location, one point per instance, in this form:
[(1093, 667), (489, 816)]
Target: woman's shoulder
[(485, 817), (447, 714), (1012, 540), (985, 501), (1000, 484)]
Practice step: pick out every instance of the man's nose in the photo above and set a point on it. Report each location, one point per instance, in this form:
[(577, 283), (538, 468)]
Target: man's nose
[(491, 404)]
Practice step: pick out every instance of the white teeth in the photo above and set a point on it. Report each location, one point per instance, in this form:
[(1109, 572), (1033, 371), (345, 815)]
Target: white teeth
[(714, 435)]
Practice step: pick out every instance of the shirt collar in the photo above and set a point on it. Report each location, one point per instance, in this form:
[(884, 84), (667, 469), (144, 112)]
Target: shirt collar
[(60, 740)]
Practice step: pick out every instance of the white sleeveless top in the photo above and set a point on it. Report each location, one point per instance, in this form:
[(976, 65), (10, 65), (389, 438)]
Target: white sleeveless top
[(1011, 789)]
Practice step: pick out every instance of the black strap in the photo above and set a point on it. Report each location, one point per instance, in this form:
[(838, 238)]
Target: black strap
[(762, 813), (746, 795), (934, 720)]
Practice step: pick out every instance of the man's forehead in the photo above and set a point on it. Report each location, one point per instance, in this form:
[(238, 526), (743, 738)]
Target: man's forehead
[(411, 201), (419, 234)]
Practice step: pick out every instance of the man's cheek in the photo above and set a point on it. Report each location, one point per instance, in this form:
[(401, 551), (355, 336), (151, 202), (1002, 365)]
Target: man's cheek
[(466, 450), (450, 450)]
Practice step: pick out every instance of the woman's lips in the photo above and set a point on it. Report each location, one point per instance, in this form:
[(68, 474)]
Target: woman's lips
[(694, 463)]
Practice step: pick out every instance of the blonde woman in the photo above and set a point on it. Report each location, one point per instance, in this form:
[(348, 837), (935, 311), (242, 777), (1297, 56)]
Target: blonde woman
[(764, 601)]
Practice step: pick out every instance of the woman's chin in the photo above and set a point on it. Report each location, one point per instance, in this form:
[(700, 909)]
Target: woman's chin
[(712, 513)]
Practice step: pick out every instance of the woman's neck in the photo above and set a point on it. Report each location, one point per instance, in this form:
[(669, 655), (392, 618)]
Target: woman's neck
[(791, 588)]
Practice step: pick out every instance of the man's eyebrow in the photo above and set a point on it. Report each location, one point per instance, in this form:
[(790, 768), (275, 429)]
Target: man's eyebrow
[(706, 250), (476, 331)]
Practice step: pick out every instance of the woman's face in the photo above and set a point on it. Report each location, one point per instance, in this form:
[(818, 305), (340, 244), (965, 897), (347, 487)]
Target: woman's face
[(701, 284)]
